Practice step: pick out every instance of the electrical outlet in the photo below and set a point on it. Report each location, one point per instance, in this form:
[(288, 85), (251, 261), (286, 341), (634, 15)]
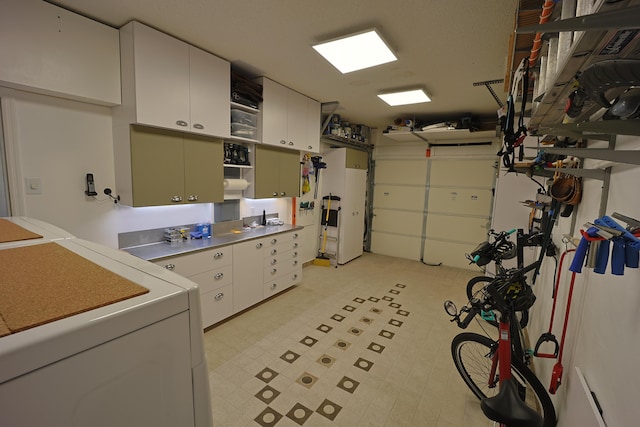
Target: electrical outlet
[(33, 186)]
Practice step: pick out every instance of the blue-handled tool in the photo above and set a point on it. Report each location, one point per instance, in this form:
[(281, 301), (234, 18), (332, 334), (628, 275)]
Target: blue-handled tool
[(581, 251), (631, 256), (632, 240), (602, 258), (617, 256)]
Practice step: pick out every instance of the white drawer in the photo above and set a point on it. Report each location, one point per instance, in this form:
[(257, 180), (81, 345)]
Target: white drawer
[(216, 305), (213, 279), (198, 262), (281, 268), (283, 282)]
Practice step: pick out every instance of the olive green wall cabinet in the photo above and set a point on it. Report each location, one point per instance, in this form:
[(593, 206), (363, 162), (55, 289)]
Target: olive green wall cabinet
[(275, 173)]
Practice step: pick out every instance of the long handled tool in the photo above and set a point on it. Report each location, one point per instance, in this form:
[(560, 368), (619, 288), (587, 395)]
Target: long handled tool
[(322, 259)]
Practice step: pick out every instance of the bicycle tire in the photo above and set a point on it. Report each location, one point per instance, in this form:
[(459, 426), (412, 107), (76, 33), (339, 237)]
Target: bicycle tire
[(475, 289), (470, 352)]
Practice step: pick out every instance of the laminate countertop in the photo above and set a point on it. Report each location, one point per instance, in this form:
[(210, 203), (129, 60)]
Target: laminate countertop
[(160, 250)]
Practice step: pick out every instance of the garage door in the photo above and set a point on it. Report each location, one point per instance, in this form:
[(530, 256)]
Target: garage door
[(433, 209)]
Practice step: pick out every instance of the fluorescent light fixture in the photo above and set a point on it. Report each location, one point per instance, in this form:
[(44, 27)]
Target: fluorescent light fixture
[(415, 96), (356, 51)]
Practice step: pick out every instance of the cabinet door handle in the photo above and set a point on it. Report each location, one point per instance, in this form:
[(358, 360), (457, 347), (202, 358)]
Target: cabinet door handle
[(192, 198), (170, 266), (295, 254), (309, 147), (218, 296), (274, 241), (176, 199), (282, 141), (274, 261), (295, 235), (294, 277), (283, 194), (218, 276), (274, 270), (258, 245), (291, 143), (275, 194), (218, 255), (295, 262), (295, 245), (274, 251), (198, 126), (273, 286), (182, 123)]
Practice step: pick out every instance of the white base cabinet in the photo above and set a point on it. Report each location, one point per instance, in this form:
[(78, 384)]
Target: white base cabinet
[(235, 277)]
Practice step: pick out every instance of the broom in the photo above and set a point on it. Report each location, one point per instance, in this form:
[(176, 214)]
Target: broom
[(322, 259)]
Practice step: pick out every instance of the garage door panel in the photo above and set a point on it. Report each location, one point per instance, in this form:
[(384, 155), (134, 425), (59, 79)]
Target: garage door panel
[(460, 200), (395, 245), (398, 197), (464, 228), (457, 173), (450, 254), (398, 222), (406, 172)]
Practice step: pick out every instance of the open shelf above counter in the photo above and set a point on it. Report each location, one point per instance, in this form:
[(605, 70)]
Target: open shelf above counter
[(443, 136)]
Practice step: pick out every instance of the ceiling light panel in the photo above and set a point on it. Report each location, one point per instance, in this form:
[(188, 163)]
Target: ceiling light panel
[(356, 51), (416, 96)]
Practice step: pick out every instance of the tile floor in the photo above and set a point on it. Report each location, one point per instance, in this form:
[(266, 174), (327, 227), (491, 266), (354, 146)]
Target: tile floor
[(364, 344)]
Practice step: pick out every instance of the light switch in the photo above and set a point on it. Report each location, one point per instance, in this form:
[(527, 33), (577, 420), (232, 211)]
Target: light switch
[(33, 186)]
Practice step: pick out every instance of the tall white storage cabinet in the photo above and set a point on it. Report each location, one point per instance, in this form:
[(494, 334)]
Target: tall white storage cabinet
[(346, 177)]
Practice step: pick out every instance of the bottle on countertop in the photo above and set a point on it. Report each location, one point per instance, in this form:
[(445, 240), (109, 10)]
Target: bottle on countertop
[(264, 217)]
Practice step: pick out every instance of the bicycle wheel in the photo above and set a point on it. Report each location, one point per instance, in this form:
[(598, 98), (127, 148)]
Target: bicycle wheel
[(476, 289), (472, 355)]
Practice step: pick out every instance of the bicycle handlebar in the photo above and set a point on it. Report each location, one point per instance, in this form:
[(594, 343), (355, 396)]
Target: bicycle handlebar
[(472, 311)]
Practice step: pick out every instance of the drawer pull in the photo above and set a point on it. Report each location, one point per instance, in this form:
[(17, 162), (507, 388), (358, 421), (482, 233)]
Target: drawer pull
[(218, 296), (295, 262), (274, 241), (274, 261), (295, 245), (294, 277), (259, 246), (295, 254), (274, 251), (273, 286), (295, 235), (170, 266), (274, 270), (218, 276), (217, 255)]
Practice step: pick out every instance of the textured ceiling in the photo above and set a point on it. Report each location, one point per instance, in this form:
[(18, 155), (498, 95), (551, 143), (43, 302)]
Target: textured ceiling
[(442, 46)]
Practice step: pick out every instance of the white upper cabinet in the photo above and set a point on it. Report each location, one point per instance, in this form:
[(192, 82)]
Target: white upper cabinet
[(170, 84), (289, 119)]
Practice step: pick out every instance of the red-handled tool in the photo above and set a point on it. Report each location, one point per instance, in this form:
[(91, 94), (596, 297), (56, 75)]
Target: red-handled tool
[(548, 336)]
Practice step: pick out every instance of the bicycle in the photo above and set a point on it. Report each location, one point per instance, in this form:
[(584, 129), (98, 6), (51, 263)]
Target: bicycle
[(497, 371)]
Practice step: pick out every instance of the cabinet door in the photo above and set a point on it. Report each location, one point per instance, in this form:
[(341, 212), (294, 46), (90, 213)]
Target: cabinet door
[(289, 177), (296, 120), (266, 172), (209, 88), (157, 167), (247, 274), (161, 79), (356, 159), (353, 213), (203, 169), (313, 125), (274, 113)]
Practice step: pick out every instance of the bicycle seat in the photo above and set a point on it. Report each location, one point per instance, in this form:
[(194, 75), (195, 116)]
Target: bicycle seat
[(507, 407)]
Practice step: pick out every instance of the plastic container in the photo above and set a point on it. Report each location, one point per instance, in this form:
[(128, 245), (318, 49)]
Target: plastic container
[(244, 118), (244, 131)]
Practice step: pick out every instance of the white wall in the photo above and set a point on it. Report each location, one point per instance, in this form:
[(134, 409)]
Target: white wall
[(603, 336)]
